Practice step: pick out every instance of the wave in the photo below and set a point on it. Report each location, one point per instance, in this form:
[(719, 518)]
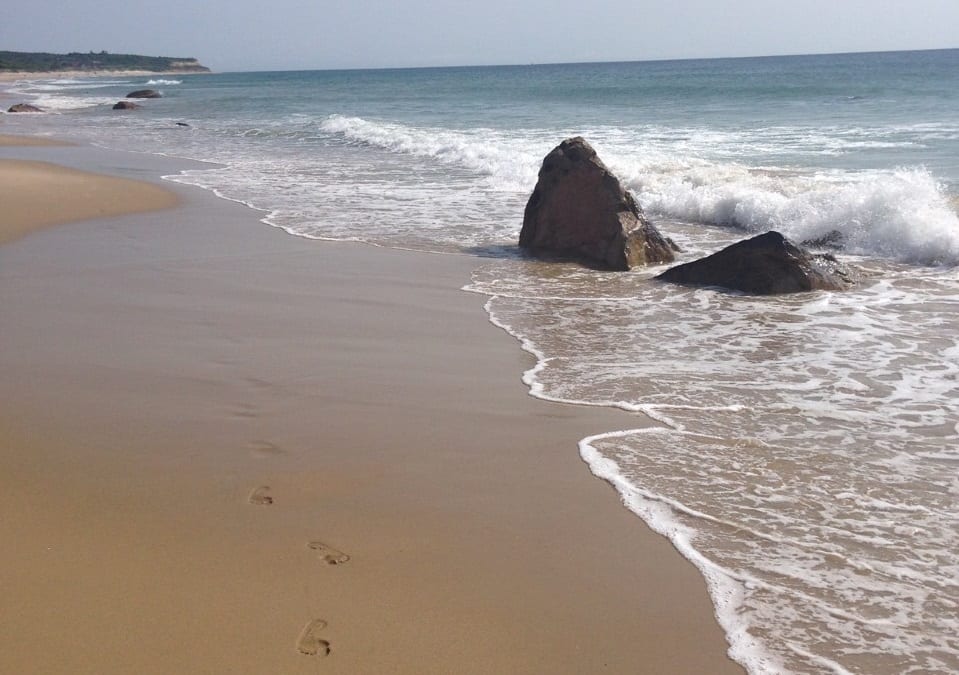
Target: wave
[(164, 82), (902, 214), (510, 163), (61, 95), (55, 104), (70, 85)]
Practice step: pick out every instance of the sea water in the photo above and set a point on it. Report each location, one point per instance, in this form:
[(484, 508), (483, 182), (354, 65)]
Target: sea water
[(802, 451)]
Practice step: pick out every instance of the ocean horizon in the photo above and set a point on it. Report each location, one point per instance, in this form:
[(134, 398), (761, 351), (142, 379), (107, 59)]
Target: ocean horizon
[(803, 453), (685, 59)]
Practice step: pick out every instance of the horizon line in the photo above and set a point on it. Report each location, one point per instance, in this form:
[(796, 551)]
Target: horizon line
[(579, 63)]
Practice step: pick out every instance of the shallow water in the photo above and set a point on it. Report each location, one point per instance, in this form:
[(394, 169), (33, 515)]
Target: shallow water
[(806, 456)]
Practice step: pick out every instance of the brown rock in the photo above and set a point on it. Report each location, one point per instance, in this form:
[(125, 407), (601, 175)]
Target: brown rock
[(126, 105), (144, 93), (580, 210), (23, 107), (767, 264)]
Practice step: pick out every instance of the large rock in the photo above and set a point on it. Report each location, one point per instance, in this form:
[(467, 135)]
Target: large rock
[(764, 265), (23, 107), (144, 93), (580, 210), (126, 105)]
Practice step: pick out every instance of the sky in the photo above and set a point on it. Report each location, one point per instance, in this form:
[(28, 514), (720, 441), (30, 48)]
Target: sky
[(240, 35)]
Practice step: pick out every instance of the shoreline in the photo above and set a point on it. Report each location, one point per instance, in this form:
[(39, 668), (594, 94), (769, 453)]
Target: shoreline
[(9, 76), (216, 407)]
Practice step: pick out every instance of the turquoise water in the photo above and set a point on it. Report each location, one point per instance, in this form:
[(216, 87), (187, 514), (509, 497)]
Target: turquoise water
[(804, 449)]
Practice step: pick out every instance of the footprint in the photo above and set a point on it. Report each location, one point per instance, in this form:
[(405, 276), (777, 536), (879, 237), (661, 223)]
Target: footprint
[(266, 449), (245, 411), (309, 643), (328, 554), (261, 496)]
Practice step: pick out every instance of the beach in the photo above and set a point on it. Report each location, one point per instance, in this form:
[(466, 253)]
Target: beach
[(229, 450)]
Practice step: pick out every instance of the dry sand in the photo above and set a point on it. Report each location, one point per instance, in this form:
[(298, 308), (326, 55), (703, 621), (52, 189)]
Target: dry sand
[(199, 415)]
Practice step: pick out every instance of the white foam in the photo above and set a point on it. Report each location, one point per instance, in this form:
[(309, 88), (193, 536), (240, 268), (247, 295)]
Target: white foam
[(59, 103), (164, 82), (725, 587), (486, 151), (903, 214)]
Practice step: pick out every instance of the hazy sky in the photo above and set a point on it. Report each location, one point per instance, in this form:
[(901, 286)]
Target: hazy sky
[(296, 34)]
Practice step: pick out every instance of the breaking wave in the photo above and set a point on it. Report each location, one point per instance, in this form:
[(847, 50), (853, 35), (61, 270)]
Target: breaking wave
[(903, 214)]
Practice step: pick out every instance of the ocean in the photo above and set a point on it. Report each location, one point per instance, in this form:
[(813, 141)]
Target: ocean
[(804, 449)]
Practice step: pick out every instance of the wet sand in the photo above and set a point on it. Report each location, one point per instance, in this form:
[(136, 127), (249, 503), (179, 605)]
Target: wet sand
[(38, 194), (228, 450), (11, 140)]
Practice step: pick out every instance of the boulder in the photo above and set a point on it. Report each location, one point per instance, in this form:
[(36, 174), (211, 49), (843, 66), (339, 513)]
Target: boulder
[(23, 107), (126, 105), (579, 210), (144, 93), (767, 264)]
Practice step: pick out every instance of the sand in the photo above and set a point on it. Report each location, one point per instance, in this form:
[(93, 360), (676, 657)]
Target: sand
[(8, 140), (224, 449), (37, 194)]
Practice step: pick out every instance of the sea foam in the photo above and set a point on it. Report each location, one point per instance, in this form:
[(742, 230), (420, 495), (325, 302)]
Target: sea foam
[(509, 163), (903, 214)]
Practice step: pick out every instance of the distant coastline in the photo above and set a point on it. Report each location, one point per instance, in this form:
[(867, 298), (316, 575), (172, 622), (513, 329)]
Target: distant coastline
[(10, 76), (21, 65)]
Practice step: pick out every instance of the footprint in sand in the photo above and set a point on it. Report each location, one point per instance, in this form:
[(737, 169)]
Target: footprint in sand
[(265, 449), (311, 644), (328, 554), (245, 411), (261, 496)]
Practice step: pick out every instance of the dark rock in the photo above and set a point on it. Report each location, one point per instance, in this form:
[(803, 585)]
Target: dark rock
[(764, 265), (126, 105), (580, 210), (23, 107), (144, 93)]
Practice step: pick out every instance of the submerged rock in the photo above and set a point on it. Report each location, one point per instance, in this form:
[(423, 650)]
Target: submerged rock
[(767, 264), (144, 93), (126, 105), (580, 210), (23, 107)]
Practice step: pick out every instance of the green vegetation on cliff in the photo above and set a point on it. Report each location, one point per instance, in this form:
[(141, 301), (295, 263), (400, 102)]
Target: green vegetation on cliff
[(41, 62)]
